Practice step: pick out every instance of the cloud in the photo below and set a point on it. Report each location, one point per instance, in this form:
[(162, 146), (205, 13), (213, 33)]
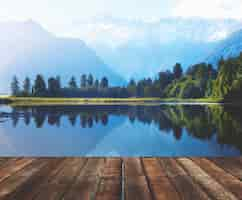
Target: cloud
[(209, 8)]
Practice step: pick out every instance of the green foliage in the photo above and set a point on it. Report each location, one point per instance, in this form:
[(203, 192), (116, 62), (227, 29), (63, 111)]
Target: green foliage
[(39, 88), (83, 81), (72, 83), (228, 84), (177, 71), (26, 87), (104, 83)]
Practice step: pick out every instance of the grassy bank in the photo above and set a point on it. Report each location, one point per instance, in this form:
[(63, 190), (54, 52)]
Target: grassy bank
[(36, 101)]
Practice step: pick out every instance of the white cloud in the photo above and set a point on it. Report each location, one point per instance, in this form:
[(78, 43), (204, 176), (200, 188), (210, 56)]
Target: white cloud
[(209, 8)]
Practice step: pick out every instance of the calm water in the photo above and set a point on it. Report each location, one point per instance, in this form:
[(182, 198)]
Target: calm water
[(165, 130)]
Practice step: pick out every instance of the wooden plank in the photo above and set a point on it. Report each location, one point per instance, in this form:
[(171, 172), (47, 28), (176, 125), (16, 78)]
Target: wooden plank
[(160, 185), (56, 188), (112, 168), (184, 184), (28, 190), (86, 184), (10, 184), (230, 165), (225, 179), (13, 166), (136, 186), (110, 186), (212, 187), (109, 189)]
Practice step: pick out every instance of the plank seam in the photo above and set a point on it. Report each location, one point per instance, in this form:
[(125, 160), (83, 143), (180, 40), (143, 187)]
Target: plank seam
[(147, 179), (74, 179), (170, 180)]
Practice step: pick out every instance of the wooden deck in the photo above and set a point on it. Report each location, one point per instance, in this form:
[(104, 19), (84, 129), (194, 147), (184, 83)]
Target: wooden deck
[(120, 178)]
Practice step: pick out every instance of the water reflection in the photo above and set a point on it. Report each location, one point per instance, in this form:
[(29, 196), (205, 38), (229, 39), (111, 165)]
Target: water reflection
[(204, 123)]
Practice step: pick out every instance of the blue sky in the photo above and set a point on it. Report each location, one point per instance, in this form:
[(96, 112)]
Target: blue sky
[(55, 14)]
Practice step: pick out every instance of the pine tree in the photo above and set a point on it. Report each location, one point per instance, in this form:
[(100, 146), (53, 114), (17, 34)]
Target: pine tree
[(39, 86), (90, 80), (26, 87), (104, 83), (72, 83), (177, 71), (15, 86), (96, 83), (83, 81)]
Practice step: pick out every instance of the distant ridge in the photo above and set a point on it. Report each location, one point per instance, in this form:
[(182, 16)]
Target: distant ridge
[(230, 47), (28, 49)]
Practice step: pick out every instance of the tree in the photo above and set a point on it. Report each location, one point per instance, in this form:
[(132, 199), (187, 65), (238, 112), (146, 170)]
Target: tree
[(104, 83), (53, 86), (15, 86), (39, 86), (90, 80), (96, 84), (83, 81), (177, 71), (72, 83), (26, 87), (58, 82), (132, 88)]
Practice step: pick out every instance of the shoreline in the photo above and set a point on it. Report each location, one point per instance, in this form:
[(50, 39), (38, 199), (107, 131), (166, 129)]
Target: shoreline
[(44, 101)]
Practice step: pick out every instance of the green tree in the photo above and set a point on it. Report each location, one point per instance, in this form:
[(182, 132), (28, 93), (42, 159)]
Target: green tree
[(132, 88), (177, 71), (53, 86), (72, 83), (96, 84), (15, 86), (83, 81), (26, 87), (104, 83), (90, 80), (39, 86)]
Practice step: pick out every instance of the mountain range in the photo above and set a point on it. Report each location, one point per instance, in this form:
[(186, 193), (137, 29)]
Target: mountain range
[(117, 48), (227, 48), (138, 48), (27, 49)]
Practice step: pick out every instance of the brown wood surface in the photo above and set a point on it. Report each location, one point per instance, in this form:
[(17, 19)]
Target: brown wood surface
[(120, 178)]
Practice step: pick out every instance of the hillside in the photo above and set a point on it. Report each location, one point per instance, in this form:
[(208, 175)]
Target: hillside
[(230, 47), (28, 49)]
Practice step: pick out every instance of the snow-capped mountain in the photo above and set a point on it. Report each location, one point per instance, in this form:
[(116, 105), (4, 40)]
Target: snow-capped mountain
[(229, 47), (138, 48)]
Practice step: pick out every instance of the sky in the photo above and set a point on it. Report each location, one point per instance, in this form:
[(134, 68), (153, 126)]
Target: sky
[(57, 14)]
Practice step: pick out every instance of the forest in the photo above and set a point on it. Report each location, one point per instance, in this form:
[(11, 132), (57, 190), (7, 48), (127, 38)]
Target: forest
[(199, 81)]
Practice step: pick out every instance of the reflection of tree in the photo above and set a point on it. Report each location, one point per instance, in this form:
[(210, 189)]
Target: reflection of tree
[(15, 117), (96, 118), (104, 119), (90, 122), (27, 117), (83, 121), (198, 121), (72, 118), (54, 119), (177, 132), (39, 117)]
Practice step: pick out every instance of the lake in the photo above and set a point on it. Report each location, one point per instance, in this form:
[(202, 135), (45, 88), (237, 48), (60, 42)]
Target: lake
[(121, 130)]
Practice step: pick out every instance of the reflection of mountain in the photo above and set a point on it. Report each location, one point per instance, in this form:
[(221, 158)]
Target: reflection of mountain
[(57, 131), (28, 49)]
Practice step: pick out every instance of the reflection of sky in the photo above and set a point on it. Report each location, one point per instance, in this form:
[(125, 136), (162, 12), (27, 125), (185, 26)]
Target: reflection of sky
[(119, 138)]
